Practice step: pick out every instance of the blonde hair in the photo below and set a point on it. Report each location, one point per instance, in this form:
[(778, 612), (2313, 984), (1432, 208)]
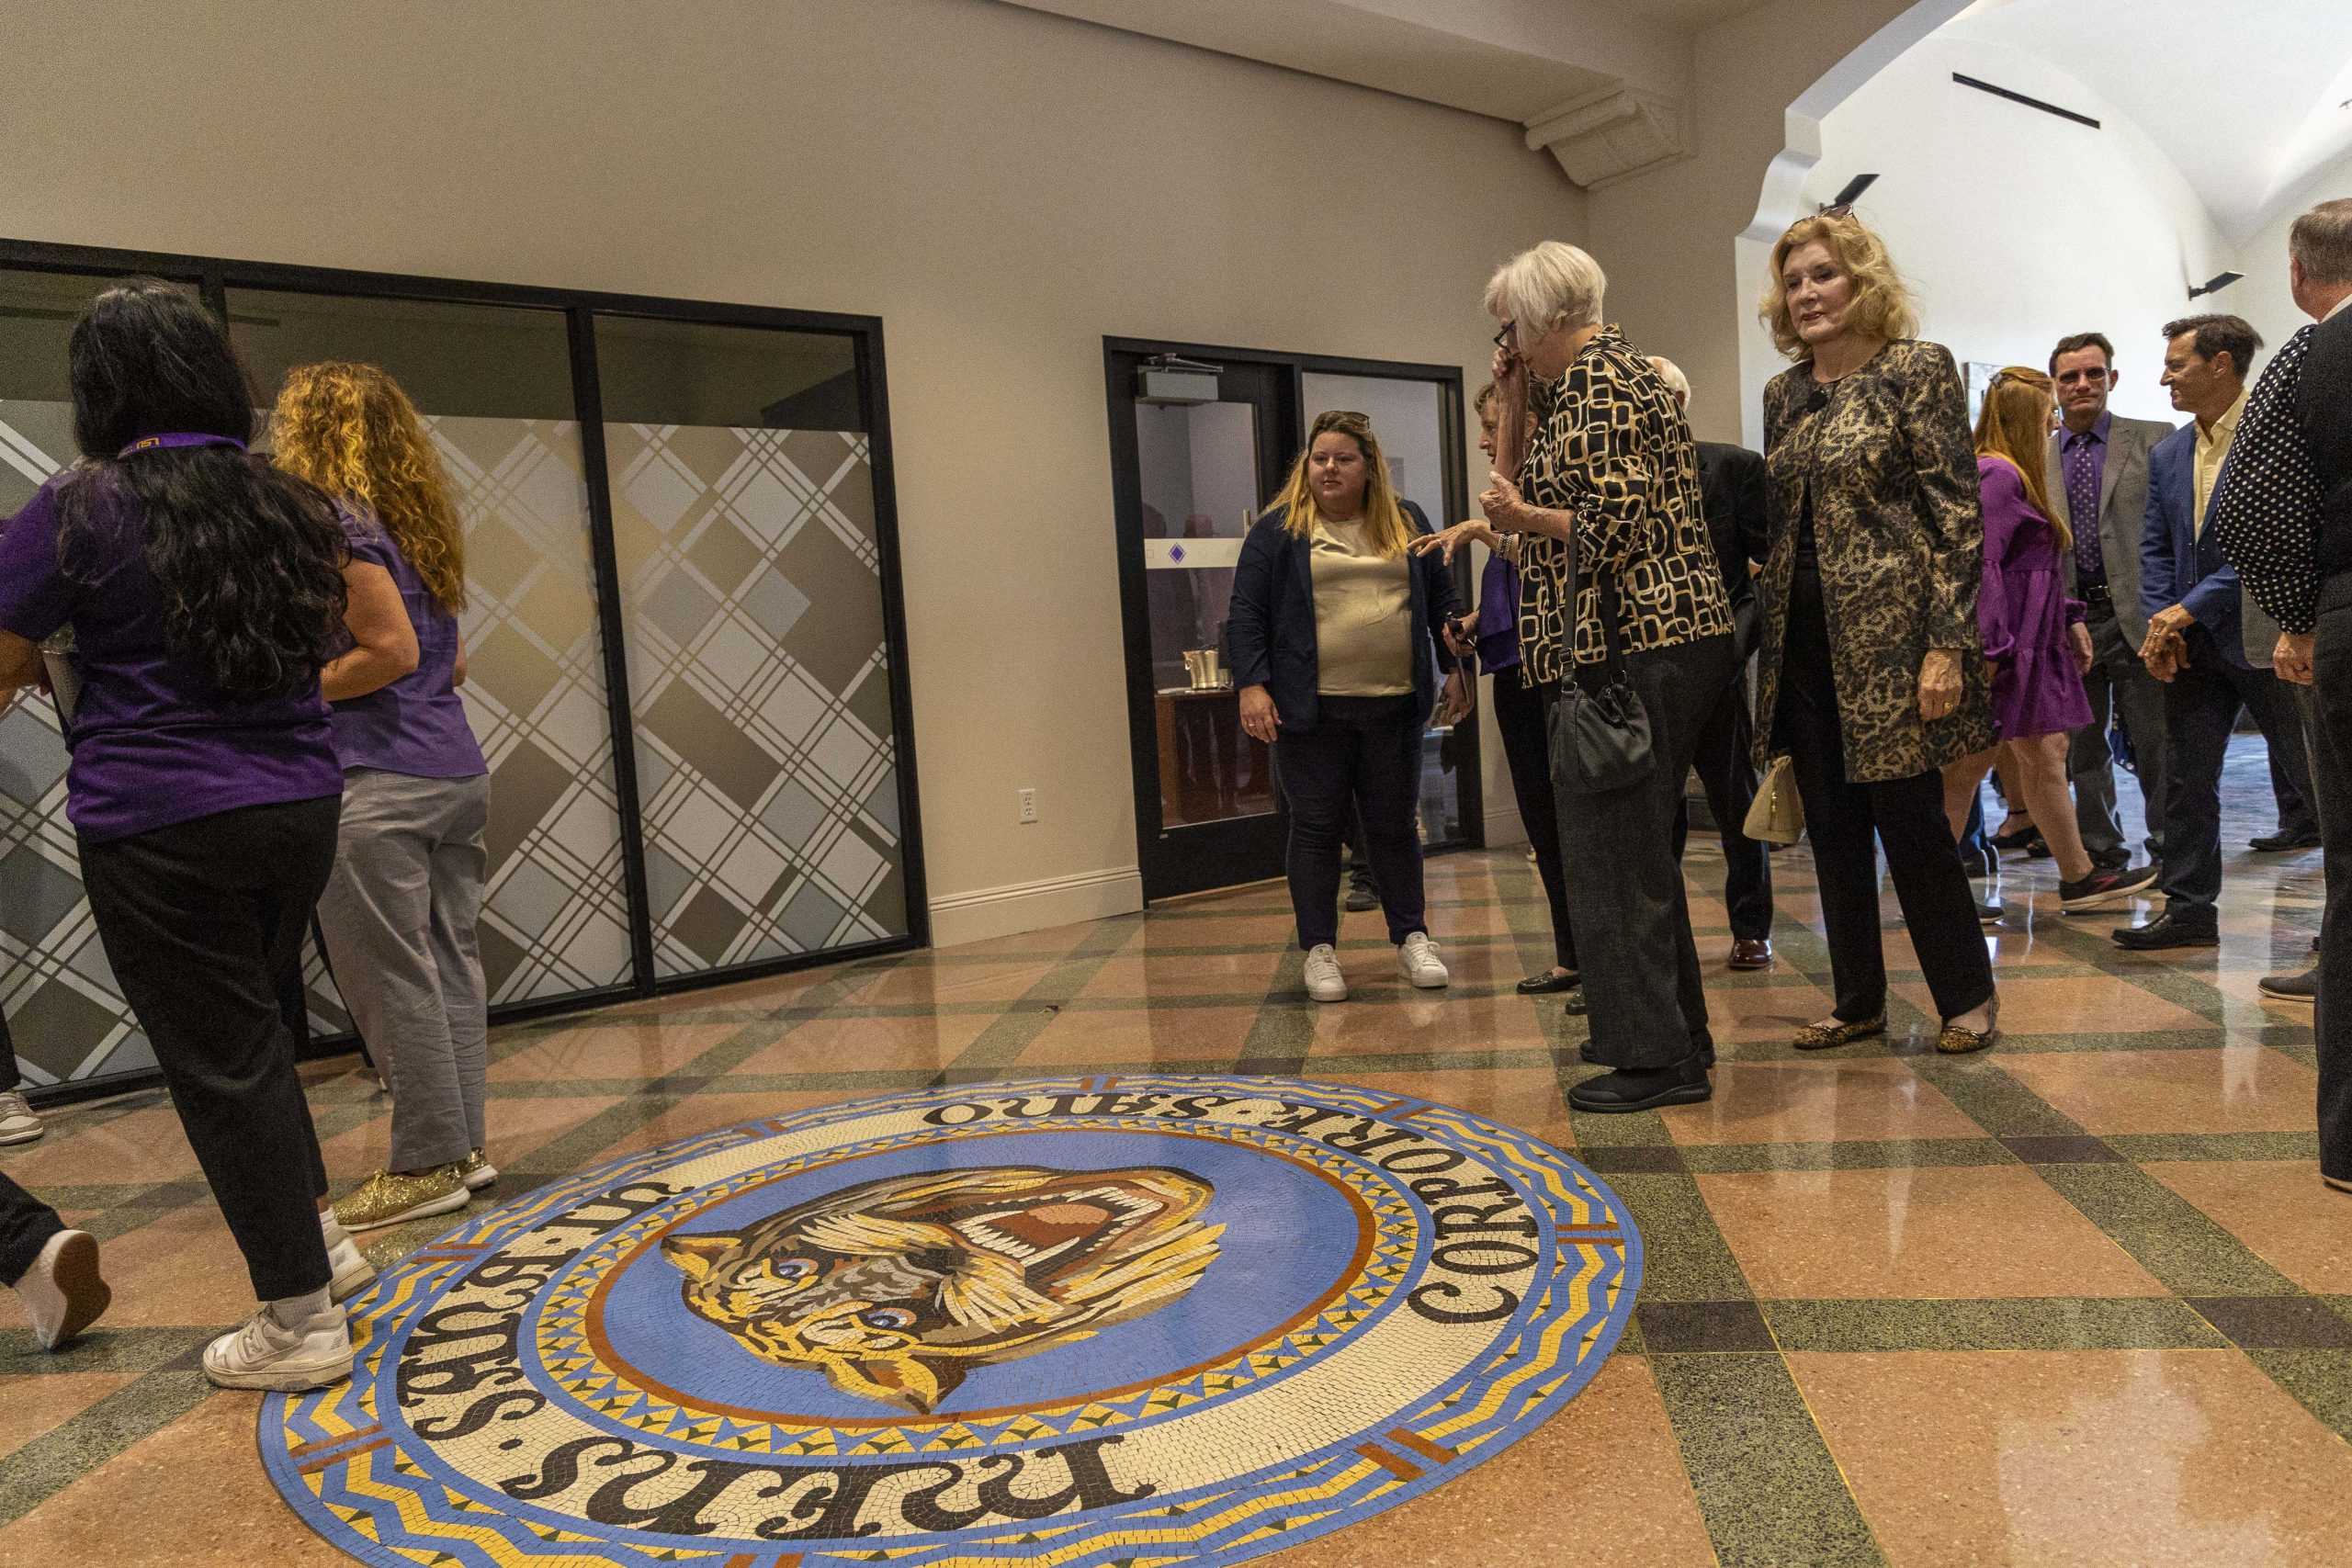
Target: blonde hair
[(1383, 520), (352, 432), (2013, 425), (1554, 284), (1883, 306)]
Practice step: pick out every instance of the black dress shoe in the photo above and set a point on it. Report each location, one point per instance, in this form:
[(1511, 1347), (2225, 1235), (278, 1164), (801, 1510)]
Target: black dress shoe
[(1626, 1089), (2278, 843), (1547, 983), (2168, 931), (1751, 952), (1574, 1008), (1362, 897)]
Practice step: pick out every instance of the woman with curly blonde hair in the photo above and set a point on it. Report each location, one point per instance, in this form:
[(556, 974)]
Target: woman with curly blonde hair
[(401, 910)]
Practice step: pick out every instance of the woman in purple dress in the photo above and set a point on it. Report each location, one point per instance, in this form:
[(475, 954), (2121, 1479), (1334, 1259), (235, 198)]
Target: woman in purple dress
[(2036, 646)]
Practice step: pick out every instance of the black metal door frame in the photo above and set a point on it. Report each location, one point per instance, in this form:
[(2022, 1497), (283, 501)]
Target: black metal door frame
[(1248, 850), (579, 309)]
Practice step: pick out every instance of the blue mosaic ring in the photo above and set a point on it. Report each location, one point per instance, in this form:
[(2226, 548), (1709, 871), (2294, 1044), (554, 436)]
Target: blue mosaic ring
[(1084, 1321)]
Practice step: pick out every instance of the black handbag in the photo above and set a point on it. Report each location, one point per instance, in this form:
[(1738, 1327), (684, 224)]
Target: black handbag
[(1600, 739)]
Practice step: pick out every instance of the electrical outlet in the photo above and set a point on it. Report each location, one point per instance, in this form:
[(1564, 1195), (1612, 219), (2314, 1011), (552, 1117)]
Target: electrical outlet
[(1028, 804)]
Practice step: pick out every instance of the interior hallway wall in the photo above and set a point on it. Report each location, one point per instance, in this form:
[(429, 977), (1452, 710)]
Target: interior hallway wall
[(1003, 188)]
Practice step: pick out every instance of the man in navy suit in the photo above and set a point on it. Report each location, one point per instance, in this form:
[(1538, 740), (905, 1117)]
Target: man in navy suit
[(2200, 627)]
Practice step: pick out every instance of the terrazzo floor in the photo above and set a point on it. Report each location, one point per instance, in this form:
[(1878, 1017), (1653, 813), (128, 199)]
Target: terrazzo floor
[(2081, 1299)]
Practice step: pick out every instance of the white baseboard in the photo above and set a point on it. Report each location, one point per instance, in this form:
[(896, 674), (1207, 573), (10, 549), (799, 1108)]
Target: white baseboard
[(987, 912)]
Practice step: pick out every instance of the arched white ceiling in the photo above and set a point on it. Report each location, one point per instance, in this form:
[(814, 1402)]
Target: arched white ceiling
[(2247, 97)]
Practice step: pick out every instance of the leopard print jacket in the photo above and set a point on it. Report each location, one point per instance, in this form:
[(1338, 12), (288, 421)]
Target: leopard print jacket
[(1613, 448), (1899, 533)]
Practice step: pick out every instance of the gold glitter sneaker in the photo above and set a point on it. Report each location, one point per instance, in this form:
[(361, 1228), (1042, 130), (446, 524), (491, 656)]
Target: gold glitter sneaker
[(476, 1171), (386, 1199)]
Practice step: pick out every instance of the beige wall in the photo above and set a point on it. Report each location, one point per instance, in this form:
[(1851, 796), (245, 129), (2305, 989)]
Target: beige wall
[(1667, 238), (1003, 188)]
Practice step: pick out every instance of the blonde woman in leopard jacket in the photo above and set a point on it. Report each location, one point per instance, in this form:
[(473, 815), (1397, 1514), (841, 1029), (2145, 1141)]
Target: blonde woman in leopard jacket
[(1871, 674)]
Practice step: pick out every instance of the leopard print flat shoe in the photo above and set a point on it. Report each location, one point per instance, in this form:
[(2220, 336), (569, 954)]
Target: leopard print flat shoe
[(1828, 1036)]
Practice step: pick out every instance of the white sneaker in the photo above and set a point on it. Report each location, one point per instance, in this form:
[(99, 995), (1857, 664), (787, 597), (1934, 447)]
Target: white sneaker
[(353, 1272), (1416, 957), (63, 1291), (18, 1123), (1324, 981), (310, 1353)]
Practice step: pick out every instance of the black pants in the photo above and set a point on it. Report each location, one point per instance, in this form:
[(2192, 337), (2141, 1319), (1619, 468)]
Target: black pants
[(1726, 764), (2116, 682), (1842, 818), (1642, 992), (2202, 705), (1363, 754), (2332, 778), (1519, 714), (26, 1223), (200, 922)]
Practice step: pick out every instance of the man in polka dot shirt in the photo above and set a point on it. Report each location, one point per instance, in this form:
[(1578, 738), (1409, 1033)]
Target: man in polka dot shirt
[(2285, 519)]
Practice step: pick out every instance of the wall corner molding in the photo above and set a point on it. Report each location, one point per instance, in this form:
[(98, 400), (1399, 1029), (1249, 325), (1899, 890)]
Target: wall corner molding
[(987, 912), (1614, 134)]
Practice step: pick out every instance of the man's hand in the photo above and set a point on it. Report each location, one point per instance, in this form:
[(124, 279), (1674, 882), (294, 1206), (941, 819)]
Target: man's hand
[(2080, 636), (2291, 660)]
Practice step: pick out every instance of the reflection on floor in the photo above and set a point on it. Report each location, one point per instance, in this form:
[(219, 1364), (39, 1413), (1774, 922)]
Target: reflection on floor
[(2081, 1301)]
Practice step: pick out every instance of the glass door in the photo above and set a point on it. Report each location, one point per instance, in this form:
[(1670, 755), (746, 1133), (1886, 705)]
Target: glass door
[(1194, 456)]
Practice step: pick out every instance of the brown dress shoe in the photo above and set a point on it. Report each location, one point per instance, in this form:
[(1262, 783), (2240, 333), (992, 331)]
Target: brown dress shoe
[(1751, 952)]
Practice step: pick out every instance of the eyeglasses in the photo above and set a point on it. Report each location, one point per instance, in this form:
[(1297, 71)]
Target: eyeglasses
[(1509, 336)]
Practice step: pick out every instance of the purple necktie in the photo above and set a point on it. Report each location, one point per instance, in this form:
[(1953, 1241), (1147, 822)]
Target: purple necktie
[(2082, 507)]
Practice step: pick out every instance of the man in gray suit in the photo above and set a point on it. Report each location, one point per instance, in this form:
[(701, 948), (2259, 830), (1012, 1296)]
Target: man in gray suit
[(2098, 476)]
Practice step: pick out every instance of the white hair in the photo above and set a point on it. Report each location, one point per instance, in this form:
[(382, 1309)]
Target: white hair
[(1555, 284), (2322, 241), (1672, 374)]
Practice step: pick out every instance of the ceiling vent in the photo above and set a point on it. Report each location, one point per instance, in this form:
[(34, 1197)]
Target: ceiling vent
[(1611, 135)]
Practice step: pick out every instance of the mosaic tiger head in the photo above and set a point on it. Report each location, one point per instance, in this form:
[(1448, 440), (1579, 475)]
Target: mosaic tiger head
[(896, 1290)]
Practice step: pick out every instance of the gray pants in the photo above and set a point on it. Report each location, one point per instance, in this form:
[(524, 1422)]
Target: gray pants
[(1642, 985), (398, 915), (2117, 678)]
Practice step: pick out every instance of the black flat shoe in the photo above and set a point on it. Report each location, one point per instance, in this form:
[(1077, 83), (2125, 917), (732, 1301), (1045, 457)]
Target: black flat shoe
[(1546, 984), (1614, 1093), (2167, 930), (2016, 839), (1575, 1007), (2280, 844)]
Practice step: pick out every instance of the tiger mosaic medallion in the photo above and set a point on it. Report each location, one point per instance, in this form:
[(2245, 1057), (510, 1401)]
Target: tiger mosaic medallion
[(1088, 1321)]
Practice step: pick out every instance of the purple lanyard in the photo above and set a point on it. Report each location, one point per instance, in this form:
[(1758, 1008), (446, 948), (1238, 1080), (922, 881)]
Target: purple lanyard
[(178, 438)]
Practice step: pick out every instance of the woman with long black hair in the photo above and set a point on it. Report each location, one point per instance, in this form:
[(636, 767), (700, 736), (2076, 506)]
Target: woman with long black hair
[(205, 590)]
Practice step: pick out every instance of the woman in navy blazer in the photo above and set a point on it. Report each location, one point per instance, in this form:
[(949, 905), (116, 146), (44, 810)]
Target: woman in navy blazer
[(1334, 631)]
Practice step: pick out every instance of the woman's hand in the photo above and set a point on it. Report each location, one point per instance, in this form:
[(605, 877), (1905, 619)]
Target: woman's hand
[(1506, 366), (1446, 541), (1938, 683), (1456, 702), (1504, 506), (1259, 718), (2080, 636)]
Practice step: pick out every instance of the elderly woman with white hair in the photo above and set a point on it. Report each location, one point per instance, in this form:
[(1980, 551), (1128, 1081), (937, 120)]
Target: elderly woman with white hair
[(1624, 626)]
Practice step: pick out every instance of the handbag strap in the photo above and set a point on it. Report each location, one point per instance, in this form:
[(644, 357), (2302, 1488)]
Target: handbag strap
[(1612, 662)]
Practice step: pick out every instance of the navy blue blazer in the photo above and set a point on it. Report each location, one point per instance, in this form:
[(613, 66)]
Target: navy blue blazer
[(2177, 567), (1270, 629)]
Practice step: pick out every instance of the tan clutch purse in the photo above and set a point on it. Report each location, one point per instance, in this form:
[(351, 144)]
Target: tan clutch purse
[(1775, 816)]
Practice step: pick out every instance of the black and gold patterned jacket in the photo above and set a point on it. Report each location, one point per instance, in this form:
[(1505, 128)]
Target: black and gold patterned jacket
[(1613, 448), (1899, 532)]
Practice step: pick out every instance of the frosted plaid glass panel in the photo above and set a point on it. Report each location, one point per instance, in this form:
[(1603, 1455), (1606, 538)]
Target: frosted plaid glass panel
[(556, 916), (766, 769)]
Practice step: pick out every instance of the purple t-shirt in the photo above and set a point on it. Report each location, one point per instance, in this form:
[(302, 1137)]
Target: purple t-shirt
[(1498, 615), (417, 725), (154, 742)]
